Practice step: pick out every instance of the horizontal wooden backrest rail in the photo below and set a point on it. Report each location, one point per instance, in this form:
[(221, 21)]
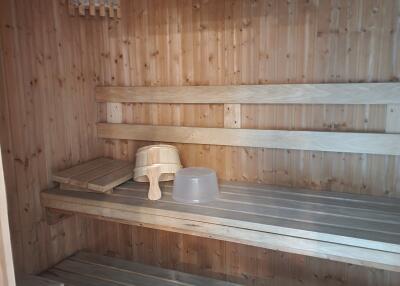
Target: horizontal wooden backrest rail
[(345, 93), (365, 143)]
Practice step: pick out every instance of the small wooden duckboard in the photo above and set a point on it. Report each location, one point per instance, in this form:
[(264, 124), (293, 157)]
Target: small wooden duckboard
[(100, 175)]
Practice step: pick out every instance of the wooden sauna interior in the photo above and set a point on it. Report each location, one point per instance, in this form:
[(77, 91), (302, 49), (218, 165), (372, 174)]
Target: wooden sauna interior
[(52, 68)]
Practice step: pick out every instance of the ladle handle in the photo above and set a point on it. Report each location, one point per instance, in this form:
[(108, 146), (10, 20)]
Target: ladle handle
[(154, 191)]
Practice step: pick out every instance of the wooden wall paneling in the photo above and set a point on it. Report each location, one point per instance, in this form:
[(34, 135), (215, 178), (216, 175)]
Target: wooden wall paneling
[(6, 141), (40, 79), (185, 10), (243, 264), (42, 87), (87, 113), (55, 71), (18, 114), (327, 45), (175, 47), (39, 85), (83, 65), (58, 150), (74, 76), (204, 33), (119, 74)]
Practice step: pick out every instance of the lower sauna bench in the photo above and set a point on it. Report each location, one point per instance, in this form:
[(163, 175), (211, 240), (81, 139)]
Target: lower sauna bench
[(357, 229), (31, 280), (85, 269)]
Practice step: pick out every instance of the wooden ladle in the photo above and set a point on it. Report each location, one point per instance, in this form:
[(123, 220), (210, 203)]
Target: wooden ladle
[(154, 173)]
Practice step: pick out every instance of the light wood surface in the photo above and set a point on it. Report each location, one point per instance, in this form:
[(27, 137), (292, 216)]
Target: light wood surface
[(393, 118), (99, 175), (367, 143), (86, 269), (6, 259), (232, 116), (49, 114), (153, 174), (157, 154), (364, 93), (256, 42), (348, 228), (156, 163)]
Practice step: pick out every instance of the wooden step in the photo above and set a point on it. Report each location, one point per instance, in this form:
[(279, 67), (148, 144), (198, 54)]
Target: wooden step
[(350, 228), (31, 280), (86, 269), (99, 175)]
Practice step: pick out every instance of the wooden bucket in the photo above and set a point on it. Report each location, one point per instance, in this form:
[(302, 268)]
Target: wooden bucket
[(156, 163)]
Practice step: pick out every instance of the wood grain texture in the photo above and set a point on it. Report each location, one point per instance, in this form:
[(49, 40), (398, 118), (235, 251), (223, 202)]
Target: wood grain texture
[(346, 142), (347, 228), (393, 118), (30, 280), (88, 177), (232, 116), (226, 260), (365, 93), (47, 121), (188, 43), (90, 269), (53, 63)]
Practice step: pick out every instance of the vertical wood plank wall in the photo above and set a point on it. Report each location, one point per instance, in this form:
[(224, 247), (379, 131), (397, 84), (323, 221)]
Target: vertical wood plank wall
[(255, 42), (47, 121), (51, 63)]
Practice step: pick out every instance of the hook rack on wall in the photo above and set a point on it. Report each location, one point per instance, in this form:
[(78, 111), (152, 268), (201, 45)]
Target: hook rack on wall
[(102, 8)]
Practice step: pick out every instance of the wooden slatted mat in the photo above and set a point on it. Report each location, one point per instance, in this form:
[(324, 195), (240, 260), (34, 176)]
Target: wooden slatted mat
[(99, 175), (350, 228), (30, 280), (85, 269)]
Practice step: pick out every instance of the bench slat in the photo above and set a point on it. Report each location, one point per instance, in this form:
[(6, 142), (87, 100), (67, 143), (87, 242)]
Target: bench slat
[(305, 246), (333, 219), (250, 203), (74, 279), (336, 234), (161, 273), (95, 270)]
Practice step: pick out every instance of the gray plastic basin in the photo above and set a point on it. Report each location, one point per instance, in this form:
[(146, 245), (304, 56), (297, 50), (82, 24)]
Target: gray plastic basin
[(195, 185)]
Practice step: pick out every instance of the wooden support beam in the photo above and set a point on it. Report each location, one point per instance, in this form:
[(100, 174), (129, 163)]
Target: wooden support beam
[(102, 10), (393, 118), (365, 143), (358, 93), (54, 216), (232, 116), (81, 10), (92, 8)]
